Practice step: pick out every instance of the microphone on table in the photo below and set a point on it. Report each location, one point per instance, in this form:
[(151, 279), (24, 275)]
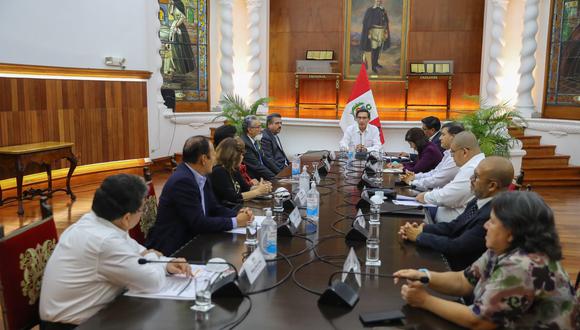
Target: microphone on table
[(225, 286), (343, 295)]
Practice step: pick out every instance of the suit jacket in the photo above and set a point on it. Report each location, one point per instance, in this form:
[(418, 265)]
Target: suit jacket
[(272, 150), (427, 160), (180, 214), (462, 240), (257, 169), (436, 139)]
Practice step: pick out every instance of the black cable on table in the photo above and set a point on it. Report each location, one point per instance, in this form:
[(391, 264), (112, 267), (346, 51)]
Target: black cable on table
[(287, 276), (237, 322)]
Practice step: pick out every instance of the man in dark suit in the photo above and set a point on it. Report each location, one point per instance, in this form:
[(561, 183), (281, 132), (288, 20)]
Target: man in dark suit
[(259, 166), (271, 144), (462, 240), (432, 127), (188, 206)]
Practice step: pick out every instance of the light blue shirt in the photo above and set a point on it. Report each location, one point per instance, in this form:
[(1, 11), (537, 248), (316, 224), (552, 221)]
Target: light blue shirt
[(201, 180)]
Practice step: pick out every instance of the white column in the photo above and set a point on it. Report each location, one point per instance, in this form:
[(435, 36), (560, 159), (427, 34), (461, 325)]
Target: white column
[(494, 68), (227, 46), (156, 78), (254, 63), (525, 102)]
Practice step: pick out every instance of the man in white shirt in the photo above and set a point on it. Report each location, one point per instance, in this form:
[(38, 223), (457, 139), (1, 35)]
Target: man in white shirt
[(445, 170), (452, 198), (95, 259), (362, 136)]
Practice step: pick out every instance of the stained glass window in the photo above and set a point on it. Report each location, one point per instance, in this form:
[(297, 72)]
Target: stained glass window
[(564, 61), (184, 40)]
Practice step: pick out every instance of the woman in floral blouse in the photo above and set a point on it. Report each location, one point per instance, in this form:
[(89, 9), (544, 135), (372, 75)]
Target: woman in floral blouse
[(517, 283)]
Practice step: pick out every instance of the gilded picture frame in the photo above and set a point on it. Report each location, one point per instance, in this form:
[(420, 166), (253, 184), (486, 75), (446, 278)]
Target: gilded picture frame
[(367, 39)]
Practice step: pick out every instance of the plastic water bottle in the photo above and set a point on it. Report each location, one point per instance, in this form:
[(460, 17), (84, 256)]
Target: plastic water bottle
[(304, 179), (269, 237), (295, 167), (376, 202), (351, 152), (312, 207)]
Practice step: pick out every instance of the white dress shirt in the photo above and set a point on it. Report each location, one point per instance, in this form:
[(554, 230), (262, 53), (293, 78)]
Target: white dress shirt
[(453, 197), (370, 138), (441, 175), (93, 262)]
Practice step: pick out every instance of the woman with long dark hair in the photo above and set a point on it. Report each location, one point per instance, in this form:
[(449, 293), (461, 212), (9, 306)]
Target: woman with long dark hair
[(428, 153), (517, 283), (228, 184)]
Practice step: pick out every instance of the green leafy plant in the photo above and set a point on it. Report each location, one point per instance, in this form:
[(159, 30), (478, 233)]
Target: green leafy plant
[(235, 109), (490, 125)]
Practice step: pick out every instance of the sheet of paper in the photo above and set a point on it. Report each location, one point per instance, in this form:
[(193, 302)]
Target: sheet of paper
[(405, 198), (178, 287), (412, 203), (393, 170), (242, 230)]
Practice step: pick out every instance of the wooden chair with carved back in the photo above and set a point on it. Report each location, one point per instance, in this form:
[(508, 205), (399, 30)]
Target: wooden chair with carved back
[(139, 232), (24, 254)]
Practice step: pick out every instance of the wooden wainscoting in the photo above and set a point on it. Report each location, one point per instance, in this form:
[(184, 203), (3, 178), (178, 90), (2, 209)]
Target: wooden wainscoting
[(106, 120), (438, 30)]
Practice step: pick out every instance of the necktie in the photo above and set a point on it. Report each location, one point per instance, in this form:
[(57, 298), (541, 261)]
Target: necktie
[(470, 209), (257, 146)]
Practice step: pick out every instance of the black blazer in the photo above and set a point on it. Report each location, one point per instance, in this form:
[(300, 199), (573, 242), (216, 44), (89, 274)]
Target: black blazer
[(271, 150), (180, 215), (462, 240), (223, 185), (437, 141), (256, 169)]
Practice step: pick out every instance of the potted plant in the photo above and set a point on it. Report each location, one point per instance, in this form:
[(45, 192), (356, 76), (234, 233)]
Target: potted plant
[(490, 125), (234, 109)]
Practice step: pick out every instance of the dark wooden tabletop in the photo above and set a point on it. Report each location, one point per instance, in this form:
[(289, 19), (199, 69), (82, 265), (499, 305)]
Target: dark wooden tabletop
[(287, 306)]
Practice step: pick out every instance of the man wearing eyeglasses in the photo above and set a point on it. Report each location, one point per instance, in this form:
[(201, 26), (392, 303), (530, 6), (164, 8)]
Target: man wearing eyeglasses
[(361, 136), (462, 240), (452, 198), (259, 166)]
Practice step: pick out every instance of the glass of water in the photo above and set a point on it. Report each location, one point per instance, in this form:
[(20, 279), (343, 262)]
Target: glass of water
[(251, 233), (278, 203), (372, 257), (202, 294)]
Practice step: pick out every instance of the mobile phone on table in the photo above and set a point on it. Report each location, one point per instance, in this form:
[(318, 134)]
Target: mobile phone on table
[(379, 317)]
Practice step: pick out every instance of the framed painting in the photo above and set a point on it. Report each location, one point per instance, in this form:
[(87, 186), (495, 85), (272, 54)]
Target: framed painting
[(376, 36), (564, 58), (184, 39)]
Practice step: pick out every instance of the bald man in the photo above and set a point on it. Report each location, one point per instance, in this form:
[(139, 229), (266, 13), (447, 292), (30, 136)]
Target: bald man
[(462, 240), (452, 198)]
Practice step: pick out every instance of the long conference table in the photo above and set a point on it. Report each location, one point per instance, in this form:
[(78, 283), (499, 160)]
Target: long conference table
[(276, 301)]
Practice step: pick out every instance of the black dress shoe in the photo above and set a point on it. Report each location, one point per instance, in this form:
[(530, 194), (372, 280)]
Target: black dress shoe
[(378, 66), (375, 69)]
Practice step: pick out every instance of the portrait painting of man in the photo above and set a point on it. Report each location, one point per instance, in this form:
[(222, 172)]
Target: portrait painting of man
[(376, 36)]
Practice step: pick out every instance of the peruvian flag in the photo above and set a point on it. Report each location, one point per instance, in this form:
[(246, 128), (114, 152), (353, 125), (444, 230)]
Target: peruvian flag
[(361, 96)]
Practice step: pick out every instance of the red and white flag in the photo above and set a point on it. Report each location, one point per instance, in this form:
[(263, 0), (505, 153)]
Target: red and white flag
[(361, 96)]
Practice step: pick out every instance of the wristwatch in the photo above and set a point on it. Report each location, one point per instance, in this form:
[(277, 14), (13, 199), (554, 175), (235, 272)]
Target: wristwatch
[(426, 271)]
